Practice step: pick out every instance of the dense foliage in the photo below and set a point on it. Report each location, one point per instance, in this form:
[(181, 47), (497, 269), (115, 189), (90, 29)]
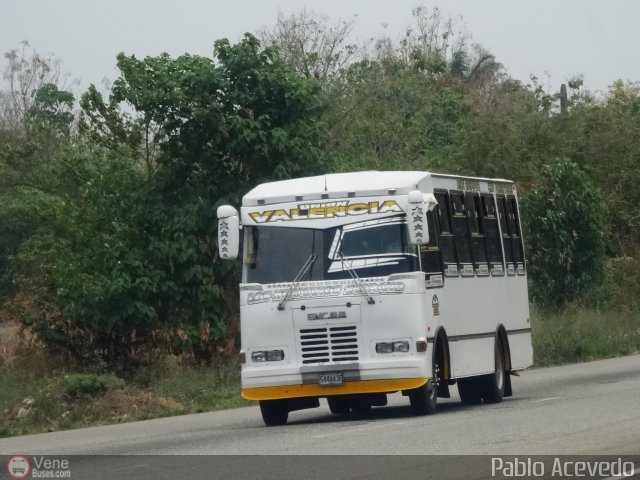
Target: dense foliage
[(107, 225), (565, 225), (116, 256)]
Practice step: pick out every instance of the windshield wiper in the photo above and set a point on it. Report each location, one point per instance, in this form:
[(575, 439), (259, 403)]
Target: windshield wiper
[(357, 279), (303, 271)]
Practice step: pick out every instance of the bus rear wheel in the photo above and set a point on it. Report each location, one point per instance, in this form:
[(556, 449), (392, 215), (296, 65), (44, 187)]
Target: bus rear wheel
[(469, 390), (493, 385), (274, 412)]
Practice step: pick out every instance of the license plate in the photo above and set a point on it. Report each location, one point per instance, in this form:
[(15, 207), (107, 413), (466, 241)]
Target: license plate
[(331, 378)]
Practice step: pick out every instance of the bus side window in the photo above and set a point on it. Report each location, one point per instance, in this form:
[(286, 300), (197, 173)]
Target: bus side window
[(506, 235), (445, 234), (516, 237), (492, 234), (461, 234), (478, 240), (431, 256)]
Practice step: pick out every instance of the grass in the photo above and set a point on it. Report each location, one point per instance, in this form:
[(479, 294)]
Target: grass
[(9, 342), (583, 334), (39, 394), (59, 400)]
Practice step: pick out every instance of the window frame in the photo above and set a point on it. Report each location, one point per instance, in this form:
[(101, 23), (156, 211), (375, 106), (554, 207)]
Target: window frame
[(516, 235), (462, 239), (445, 210), (433, 279), (477, 237), (492, 223)]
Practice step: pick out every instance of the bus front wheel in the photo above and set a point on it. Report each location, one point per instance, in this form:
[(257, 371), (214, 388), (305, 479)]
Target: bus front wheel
[(339, 405), (425, 398), (274, 412)]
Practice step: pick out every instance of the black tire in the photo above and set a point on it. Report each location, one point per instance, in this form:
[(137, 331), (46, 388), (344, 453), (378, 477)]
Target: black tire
[(493, 385), (360, 405), (424, 399), (274, 412), (339, 405), (469, 390)]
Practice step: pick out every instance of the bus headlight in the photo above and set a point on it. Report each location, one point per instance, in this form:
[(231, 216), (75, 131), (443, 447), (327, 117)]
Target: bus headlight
[(259, 356), (390, 347), (384, 347), (267, 356), (275, 355)]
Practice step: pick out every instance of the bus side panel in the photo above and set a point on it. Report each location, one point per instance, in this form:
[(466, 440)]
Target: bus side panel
[(521, 350), (517, 323), (472, 356), (471, 311), (468, 313)]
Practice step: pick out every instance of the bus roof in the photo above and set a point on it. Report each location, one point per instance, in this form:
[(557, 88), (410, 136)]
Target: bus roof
[(343, 185)]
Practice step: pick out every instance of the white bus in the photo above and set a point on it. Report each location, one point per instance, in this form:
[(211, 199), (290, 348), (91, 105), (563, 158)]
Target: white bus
[(358, 285)]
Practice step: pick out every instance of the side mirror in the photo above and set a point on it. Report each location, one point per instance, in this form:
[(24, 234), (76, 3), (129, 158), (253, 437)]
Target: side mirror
[(417, 219), (228, 232), (430, 201)]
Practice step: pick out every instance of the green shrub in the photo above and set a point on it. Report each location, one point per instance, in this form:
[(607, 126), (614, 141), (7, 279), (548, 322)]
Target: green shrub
[(624, 274), (119, 263), (86, 385), (565, 224), (576, 335)]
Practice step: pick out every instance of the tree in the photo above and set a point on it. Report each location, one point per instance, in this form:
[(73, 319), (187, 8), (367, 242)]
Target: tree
[(79, 273), (565, 225), (429, 44), (107, 124), (389, 116), (26, 74), (219, 125), (313, 46), (607, 145), (509, 136), (35, 121), (51, 109), (126, 262)]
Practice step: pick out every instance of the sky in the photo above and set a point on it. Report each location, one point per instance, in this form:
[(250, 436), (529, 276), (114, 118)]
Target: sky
[(553, 39)]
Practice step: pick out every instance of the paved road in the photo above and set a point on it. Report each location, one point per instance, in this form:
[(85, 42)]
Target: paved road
[(589, 408)]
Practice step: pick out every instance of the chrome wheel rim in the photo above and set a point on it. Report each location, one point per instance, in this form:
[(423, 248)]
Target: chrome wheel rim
[(435, 381), (499, 370)]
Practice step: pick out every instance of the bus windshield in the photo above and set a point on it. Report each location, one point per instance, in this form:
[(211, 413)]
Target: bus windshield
[(372, 248)]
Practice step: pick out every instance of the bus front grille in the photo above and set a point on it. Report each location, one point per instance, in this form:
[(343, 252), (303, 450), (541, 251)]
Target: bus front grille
[(329, 344)]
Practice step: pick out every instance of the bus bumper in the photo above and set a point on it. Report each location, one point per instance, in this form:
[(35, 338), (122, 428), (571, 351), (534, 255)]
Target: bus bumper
[(365, 377), (311, 390)]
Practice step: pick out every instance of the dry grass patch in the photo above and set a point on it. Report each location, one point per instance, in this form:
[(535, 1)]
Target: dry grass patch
[(132, 404), (9, 343)]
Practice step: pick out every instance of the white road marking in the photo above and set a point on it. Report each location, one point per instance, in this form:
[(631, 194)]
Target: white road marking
[(548, 399), (360, 429)]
